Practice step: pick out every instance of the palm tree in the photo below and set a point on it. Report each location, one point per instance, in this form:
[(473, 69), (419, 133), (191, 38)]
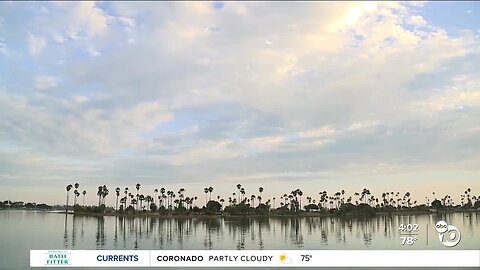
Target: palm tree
[(123, 201), (84, 193), (407, 196), (126, 196), (187, 202), (75, 192), (358, 195), (137, 186), (155, 197), (167, 199), (133, 201), (117, 191), (99, 194), (162, 191), (239, 187), (210, 189), (181, 196), (260, 189), (76, 196), (171, 195), (149, 199), (160, 201), (222, 201), (69, 187), (242, 192), (104, 193), (141, 198), (300, 194), (294, 199), (206, 192)]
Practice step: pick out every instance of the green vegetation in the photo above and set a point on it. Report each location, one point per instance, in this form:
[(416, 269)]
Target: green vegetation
[(168, 202), (21, 205)]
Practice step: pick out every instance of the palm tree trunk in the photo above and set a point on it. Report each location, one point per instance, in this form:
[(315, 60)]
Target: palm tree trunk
[(66, 210), (137, 199)]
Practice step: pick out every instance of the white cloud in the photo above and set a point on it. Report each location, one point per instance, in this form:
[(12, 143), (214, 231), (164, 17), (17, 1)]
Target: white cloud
[(3, 48), (45, 82), (80, 99), (206, 151), (183, 91), (92, 51), (456, 100), (269, 141), (285, 175), (318, 132), (363, 125), (417, 20), (127, 21), (36, 44), (89, 18)]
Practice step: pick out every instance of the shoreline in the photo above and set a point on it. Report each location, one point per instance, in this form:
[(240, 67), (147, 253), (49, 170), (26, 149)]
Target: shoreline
[(270, 215), (273, 215)]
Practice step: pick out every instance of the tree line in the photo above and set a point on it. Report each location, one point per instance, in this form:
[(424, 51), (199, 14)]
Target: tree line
[(129, 201)]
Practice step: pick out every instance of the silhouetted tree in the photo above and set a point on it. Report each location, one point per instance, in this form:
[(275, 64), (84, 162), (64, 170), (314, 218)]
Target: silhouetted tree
[(69, 187), (84, 194), (117, 192)]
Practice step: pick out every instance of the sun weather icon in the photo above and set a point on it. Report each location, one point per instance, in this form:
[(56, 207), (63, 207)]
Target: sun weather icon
[(285, 259)]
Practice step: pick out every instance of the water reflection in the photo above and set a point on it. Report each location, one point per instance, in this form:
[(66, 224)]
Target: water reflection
[(100, 233), (65, 233), (256, 233)]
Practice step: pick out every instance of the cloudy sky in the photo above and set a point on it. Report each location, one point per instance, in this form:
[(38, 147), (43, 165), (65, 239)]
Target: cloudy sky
[(316, 96)]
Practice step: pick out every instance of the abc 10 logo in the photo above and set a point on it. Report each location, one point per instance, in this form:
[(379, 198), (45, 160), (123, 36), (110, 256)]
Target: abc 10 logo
[(449, 235)]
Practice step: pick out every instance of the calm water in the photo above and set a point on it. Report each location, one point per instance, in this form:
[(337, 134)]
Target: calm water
[(21, 231)]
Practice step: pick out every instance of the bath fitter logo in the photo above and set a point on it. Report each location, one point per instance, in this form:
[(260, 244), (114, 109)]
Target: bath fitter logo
[(449, 235), (57, 257)]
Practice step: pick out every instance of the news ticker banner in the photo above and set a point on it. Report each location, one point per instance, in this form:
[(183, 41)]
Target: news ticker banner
[(254, 258)]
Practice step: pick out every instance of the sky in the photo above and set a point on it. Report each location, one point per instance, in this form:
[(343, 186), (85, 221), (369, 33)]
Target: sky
[(310, 95)]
